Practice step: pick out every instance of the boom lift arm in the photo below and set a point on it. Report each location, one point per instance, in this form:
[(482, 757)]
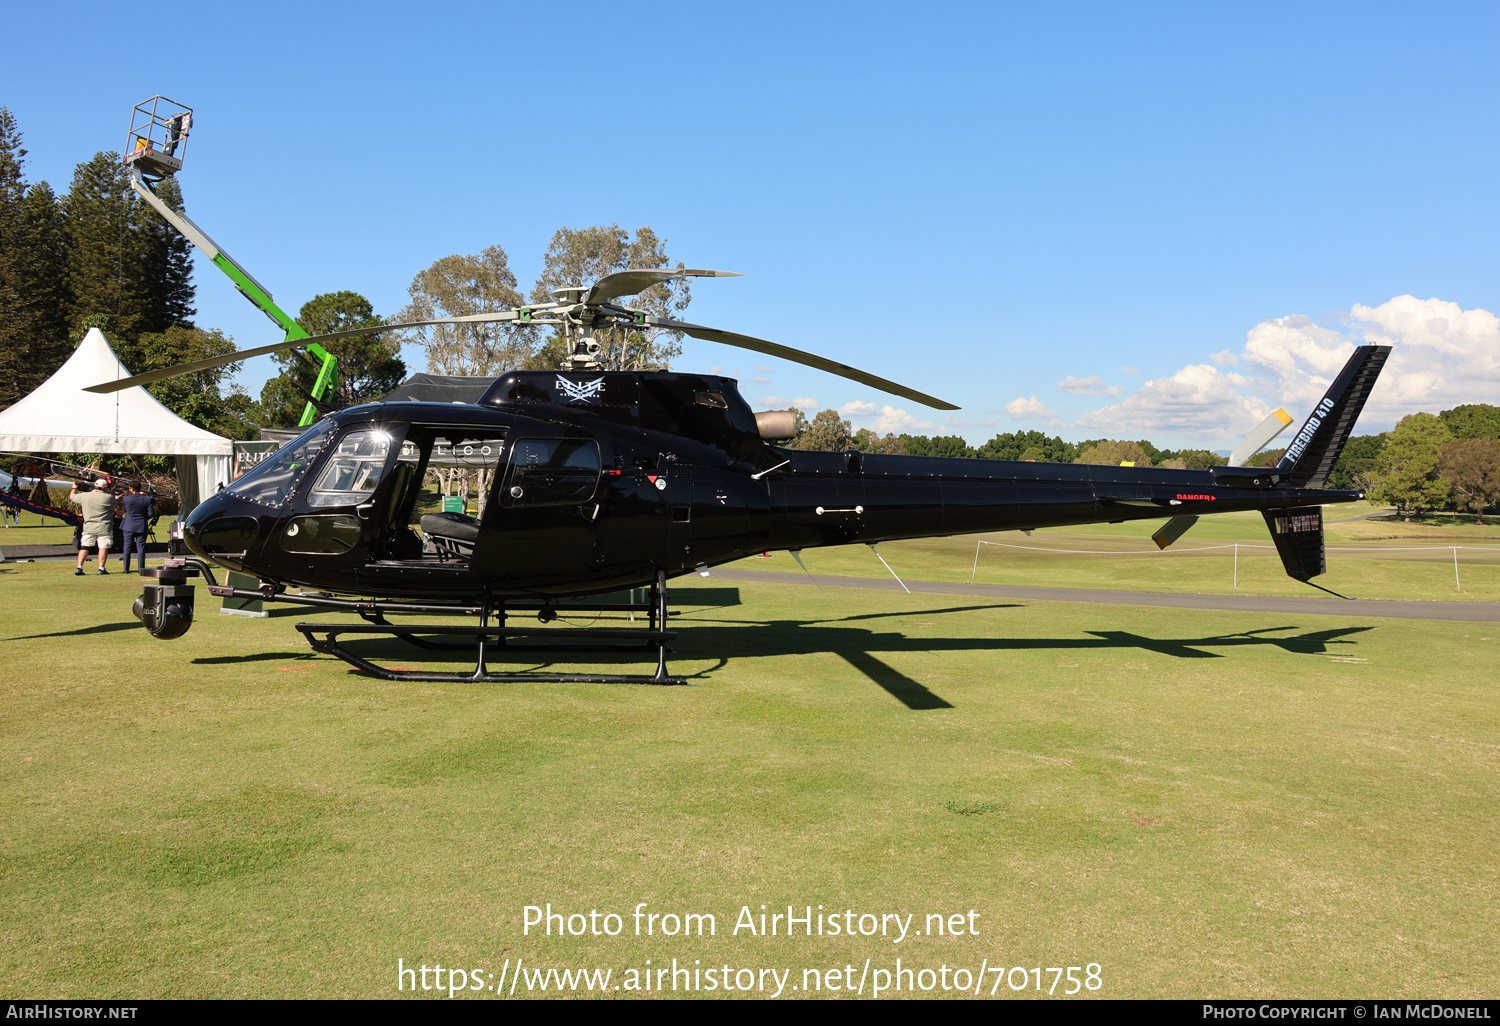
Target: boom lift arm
[(145, 123)]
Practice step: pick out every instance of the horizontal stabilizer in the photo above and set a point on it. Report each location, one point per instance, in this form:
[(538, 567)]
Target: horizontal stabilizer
[(1172, 530)]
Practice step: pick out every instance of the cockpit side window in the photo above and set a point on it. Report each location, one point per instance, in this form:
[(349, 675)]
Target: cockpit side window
[(353, 470), (273, 481)]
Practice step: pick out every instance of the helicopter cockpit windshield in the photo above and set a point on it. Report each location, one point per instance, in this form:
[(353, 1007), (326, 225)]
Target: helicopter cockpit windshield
[(270, 483)]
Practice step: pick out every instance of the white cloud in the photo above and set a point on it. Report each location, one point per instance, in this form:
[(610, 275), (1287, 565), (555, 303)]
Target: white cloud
[(989, 421), (1091, 385), (716, 370), (894, 421), (760, 381), (1199, 401), (804, 403), (763, 370), (1443, 356), (1029, 409), (857, 410), (953, 420), (1128, 370)]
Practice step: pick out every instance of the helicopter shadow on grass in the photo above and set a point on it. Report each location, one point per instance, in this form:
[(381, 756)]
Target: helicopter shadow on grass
[(729, 640)]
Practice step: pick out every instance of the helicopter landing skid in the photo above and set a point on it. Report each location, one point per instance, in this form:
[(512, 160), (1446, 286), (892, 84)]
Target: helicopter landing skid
[(483, 638)]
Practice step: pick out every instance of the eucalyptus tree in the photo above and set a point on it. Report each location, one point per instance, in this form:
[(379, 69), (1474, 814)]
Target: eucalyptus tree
[(577, 256), (457, 286)]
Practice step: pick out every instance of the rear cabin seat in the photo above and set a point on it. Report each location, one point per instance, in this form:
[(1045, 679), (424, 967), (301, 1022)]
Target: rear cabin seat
[(452, 534)]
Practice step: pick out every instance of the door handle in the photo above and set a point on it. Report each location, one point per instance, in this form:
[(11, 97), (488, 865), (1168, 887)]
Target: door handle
[(364, 508)]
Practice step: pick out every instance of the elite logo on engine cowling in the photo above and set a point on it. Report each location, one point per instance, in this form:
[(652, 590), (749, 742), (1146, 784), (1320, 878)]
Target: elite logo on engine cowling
[(579, 391)]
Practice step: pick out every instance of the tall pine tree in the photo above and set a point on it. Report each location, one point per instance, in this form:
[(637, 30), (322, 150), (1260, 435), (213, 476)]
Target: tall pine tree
[(98, 257), (104, 265), (44, 262), (165, 262), (33, 291), (15, 331), (128, 271)]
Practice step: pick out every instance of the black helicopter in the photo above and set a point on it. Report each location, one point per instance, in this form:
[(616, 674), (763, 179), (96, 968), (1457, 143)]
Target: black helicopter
[(606, 480)]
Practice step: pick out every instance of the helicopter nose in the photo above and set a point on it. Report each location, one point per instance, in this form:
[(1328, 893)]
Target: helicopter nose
[(205, 522), (192, 527)]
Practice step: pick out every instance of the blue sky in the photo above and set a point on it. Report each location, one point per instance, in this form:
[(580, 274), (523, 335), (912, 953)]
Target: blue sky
[(1056, 216)]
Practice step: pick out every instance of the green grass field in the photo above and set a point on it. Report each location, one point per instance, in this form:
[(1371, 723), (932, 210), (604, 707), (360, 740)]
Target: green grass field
[(1203, 803), (35, 530), (1375, 559)]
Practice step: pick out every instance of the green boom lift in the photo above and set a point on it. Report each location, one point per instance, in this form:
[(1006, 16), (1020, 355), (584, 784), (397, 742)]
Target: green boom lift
[(154, 149)]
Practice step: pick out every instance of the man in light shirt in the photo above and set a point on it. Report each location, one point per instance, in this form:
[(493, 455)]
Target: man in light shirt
[(98, 506)]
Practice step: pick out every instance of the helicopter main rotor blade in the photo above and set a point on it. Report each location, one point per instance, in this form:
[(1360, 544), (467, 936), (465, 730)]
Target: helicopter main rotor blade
[(760, 345), (632, 282), (291, 343)]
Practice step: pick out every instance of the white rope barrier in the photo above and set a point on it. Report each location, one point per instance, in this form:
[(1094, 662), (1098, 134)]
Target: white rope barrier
[(1244, 545), (1371, 553)]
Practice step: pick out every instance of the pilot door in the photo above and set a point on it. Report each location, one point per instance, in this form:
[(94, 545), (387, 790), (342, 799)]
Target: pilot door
[(341, 519), (541, 525)]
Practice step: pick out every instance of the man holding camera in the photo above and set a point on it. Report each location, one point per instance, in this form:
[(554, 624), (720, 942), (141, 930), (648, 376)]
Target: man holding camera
[(98, 505)]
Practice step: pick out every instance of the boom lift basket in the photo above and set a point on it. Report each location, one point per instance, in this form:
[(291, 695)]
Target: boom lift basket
[(157, 142)]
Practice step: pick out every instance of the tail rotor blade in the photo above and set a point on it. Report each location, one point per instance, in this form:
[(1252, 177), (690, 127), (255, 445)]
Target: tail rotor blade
[(1274, 424)]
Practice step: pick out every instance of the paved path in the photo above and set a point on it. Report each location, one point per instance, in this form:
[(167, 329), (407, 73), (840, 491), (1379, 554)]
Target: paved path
[(1482, 612)]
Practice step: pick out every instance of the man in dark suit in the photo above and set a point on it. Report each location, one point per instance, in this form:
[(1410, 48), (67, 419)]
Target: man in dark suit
[(139, 509)]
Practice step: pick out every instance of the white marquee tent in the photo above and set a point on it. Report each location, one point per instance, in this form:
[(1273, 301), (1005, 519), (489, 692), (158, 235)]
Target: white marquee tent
[(61, 417)]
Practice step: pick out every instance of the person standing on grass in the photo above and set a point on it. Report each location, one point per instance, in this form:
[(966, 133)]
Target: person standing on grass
[(139, 509), (98, 506)]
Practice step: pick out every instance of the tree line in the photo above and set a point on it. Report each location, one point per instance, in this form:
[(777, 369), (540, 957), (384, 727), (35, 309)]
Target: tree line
[(829, 432), (1449, 460)]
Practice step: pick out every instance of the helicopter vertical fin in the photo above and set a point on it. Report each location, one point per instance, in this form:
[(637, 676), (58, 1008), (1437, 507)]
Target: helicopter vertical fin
[(1316, 448), (1298, 534)]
